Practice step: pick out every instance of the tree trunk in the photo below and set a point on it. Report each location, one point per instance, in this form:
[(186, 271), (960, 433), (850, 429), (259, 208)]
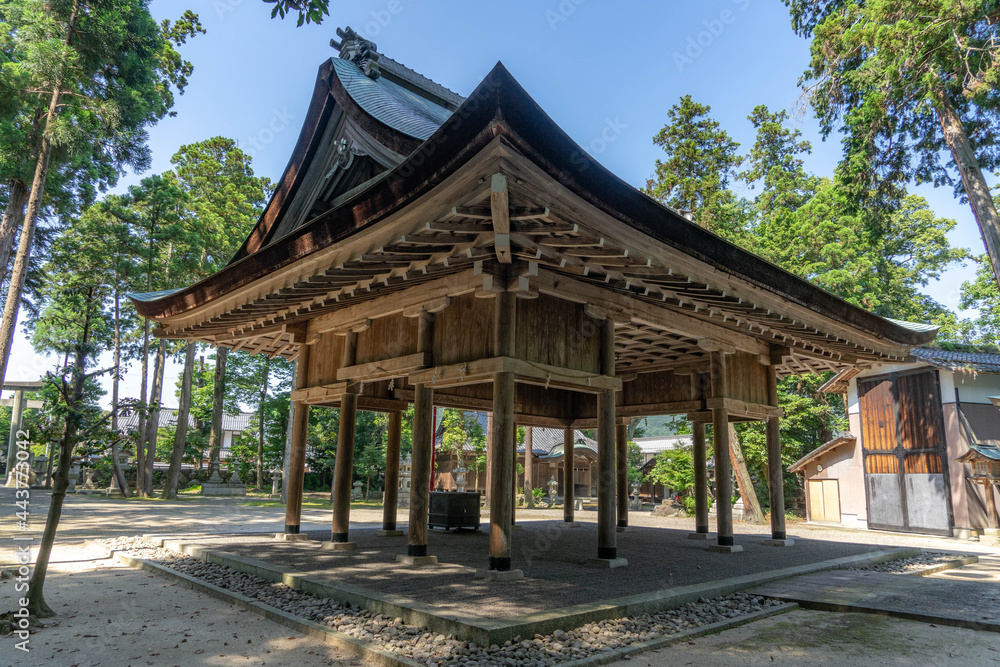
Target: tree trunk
[(140, 447), (20, 270), (13, 217), (116, 469), (153, 424), (260, 426), (286, 461), (976, 188), (743, 480), (218, 399), (180, 435), (36, 599)]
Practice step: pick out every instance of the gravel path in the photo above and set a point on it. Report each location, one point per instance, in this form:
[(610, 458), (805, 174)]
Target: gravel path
[(912, 565), (394, 636)]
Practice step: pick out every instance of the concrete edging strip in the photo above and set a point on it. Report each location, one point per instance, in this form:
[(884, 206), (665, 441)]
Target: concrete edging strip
[(950, 565), (662, 642), (354, 646)]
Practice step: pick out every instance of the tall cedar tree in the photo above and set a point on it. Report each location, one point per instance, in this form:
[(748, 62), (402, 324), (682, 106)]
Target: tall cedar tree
[(86, 75), (907, 83)]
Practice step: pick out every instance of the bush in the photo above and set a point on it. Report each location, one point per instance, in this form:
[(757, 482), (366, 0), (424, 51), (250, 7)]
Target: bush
[(688, 502)]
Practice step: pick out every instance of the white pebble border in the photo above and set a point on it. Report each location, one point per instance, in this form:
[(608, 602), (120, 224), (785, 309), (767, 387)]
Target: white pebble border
[(430, 648), (927, 559)]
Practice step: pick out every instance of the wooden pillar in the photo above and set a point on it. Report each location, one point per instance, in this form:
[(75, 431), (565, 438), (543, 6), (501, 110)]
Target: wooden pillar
[(343, 475), (700, 478), (392, 470), (607, 534), (723, 467), (502, 474), (528, 484), (991, 505), (513, 479), (16, 422), (775, 473), (503, 463), (296, 473), (621, 468), (489, 457), (423, 444), (569, 477)]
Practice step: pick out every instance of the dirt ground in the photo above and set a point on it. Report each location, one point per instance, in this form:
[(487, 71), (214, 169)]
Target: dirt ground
[(113, 616), (806, 637)]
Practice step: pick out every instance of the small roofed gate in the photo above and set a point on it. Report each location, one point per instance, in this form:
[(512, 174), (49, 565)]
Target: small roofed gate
[(904, 453)]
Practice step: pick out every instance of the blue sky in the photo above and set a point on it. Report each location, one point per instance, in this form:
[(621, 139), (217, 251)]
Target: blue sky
[(590, 64)]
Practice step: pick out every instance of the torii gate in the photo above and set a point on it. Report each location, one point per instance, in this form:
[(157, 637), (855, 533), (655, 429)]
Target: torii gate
[(19, 403)]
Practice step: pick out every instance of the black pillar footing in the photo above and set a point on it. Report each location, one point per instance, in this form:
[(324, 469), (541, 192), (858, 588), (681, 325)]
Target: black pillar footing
[(338, 537), (389, 526), (622, 524), (778, 535), (607, 553), (726, 541), (702, 530), (416, 549), (500, 564), (291, 530)]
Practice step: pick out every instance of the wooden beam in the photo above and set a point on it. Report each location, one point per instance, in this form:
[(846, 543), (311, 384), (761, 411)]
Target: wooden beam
[(737, 407), (482, 370), (446, 400), (427, 293), (500, 210), (385, 369), (668, 319)]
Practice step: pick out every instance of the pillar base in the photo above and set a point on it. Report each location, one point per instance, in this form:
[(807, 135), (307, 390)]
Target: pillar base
[(416, 561), (389, 533), (291, 537), (339, 546), (572, 524), (699, 536), (516, 526), (499, 575), (606, 563), (625, 529), (779, 543), (726, 548)]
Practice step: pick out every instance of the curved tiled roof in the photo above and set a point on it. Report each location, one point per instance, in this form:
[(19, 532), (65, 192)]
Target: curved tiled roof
[(955, 361), (390, 103)]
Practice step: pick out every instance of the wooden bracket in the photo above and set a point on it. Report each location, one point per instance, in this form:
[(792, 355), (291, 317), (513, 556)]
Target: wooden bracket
[(500, 210)]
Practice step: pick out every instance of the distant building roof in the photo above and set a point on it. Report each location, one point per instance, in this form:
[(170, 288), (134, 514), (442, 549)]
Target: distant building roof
[(545, 442), (842, 439), (168, 419), (659, 443), (958, 361)]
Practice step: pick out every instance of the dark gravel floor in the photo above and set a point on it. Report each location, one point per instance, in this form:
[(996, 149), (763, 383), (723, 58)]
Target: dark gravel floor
[(550, 554)]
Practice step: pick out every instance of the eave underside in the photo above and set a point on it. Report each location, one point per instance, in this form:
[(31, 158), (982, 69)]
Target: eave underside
[(670, 310)]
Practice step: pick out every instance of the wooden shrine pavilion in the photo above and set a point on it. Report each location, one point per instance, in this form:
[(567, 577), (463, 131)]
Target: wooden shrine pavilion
[(431, 249)]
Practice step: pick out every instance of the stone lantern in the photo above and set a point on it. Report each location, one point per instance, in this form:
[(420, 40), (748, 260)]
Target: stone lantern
[(277, 474), (553, 490), (405, 472)]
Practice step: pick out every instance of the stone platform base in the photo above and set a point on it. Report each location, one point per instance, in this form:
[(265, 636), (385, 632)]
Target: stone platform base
[(625, 529), (223, 489), (498, 575), (699, 536), (291, 537), (416, 561), (517, 526), (389, 533), (726, 548), (607, 563), (778, 543), (339, 546)]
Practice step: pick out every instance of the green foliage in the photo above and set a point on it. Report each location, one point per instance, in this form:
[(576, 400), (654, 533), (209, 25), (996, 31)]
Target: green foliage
[(309, 11), (982, 293), (701, 160), (460, 429), (674, 469), (635, 461)]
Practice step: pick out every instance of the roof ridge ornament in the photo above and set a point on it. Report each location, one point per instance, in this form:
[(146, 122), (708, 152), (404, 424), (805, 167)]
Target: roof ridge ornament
[(360, 51)]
